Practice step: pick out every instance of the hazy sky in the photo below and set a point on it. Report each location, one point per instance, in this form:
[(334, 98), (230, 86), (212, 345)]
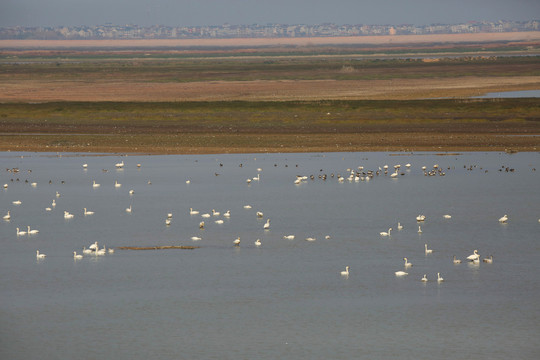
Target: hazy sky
[(218, 12)]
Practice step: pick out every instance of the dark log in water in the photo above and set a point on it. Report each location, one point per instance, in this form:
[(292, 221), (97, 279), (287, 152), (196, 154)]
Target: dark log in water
[(157, 247)]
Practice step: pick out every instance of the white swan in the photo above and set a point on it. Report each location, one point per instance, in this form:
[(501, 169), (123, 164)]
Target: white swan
[(289, 237), (95, 184), (77, 256), (310, 239), (201, 225), (227, 213), (428, 251), (94, 246), (7, 216), (419, 229), (40, 256), (86, 251), (447, 216), (247, 206), (401, 273), (383, 233), (85, 166), (236, 242), (346, 272), (399, 226), (167, 222), (131, 192), (439, 278), (53, 204), (215, 213), (57, 194), (169, 215), (407, 263), (205, 215), (424, 279), (17, 202), (128, 209), (258, 242), (267, 225), (67, 215), (503, 219), (473, 256), (101, 251), (219, 221), (117, 184), (488, 259), (196, 238), (86, 212), (31, 232), (260, 214), (421, 218), (193, 212), (456, 261), (19, 233), (120, 164)]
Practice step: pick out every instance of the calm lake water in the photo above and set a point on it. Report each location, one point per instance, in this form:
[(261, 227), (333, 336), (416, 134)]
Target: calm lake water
[(287, 298)]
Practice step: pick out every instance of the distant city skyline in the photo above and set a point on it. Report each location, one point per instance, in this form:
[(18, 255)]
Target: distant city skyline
[(245, 12)]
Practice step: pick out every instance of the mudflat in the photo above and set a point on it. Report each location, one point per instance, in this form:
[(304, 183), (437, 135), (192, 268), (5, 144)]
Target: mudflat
[(218, 98)]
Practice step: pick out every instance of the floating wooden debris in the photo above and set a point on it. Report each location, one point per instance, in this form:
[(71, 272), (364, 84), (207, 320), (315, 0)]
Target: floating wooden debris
[(157, 247)]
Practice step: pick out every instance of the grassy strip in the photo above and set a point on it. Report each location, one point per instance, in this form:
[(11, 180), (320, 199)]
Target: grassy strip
[(271, 68), (264, 117), (235, 127)]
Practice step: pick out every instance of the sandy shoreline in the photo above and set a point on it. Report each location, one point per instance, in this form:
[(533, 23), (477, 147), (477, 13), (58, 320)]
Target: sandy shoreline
[(255, 42)]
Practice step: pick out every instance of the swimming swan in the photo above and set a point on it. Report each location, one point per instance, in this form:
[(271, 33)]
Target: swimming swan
[(267, 225), (407, 263), (94, 184), (258, 242), (456, 261), (86, 212), (439, 278), (19, 233), (346, 272), (473, 256), (503, 219), (193, 212), (31, 232), (424, 279), (236, 242), (399, 226), (488, 260), (40, 256), (7, 216), (383, 233), (401, 273), (428, 251), (77, 256)]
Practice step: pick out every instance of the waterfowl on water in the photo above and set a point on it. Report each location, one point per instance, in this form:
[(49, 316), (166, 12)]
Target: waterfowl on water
[(346, 271), (428, 251), (40, 256), (456, 261), (473, 256), (383, 233)]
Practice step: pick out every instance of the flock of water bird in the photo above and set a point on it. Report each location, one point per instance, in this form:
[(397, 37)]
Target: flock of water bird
[(354, 176)]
